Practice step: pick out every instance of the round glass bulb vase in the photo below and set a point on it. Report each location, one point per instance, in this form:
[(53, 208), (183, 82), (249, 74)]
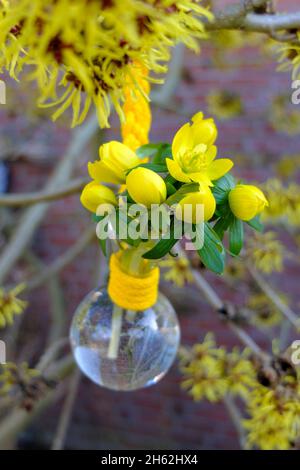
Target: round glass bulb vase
[(124, 349)]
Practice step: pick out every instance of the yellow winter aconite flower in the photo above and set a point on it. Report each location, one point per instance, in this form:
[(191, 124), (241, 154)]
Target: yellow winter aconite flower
[(196, 207), (115, 160), (94, 194), (146, 187), (87, 48), (246, 201), (178, 271), (11, 305), (266, 252), (194, 153)]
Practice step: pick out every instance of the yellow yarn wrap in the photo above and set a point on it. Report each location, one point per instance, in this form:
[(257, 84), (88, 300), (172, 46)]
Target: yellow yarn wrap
[(136, 108), (132, 292)]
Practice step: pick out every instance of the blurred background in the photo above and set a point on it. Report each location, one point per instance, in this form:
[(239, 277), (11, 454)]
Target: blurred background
[(235, 81)]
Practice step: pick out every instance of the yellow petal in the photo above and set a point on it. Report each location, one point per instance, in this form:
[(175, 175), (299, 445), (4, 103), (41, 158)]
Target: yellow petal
[(243, 204), (182, 140), (219, 168), (176, 171), (262, 200), (211, 153), (204, 131), (198, 117), (189, 208), (201, 178), (117, 154), (94, 194), (246, 201), (146, 187), (99, 172)]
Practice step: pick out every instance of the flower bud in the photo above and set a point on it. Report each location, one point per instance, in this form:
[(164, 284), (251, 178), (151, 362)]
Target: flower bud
[(196, 207), (94, 194), (204, 129), (146, 187), (246, 201), (115, 160)]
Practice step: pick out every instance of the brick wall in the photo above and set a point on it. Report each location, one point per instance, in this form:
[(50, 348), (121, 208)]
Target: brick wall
[(162, 416)]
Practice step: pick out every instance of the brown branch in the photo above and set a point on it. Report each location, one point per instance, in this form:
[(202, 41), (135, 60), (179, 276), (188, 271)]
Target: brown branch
[(11, 200)]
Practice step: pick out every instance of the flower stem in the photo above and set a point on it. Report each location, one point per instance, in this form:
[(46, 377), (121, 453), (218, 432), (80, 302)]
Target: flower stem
[(113, 348)]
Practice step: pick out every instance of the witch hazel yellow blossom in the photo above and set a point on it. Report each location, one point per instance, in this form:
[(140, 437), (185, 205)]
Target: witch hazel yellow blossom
[(81, 53)]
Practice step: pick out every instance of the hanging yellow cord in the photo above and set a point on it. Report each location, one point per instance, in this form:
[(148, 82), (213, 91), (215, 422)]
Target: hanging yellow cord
[(137, 123), (132, 292)]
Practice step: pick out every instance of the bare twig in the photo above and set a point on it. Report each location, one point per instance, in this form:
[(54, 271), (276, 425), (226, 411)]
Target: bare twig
[(164, 93), (50, 354), (274, 297), (270, 23), (236, 418), (217, 304), (243, 16), (62, 261), (33, 216), (73, 187), (57, 310), (66, 414)]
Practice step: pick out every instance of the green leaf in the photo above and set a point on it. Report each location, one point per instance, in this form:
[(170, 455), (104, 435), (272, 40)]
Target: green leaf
[(256, 224), (102, 244), (222, 187), (150, 166), (222, 224), (120, 216), (160, 249), (170, 179), (148, 150), (236, 236), (181, 192), (170, 189), (97, 218), (163, 246), (212, 254), (225, 183), (157, 152), (164, 151)]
